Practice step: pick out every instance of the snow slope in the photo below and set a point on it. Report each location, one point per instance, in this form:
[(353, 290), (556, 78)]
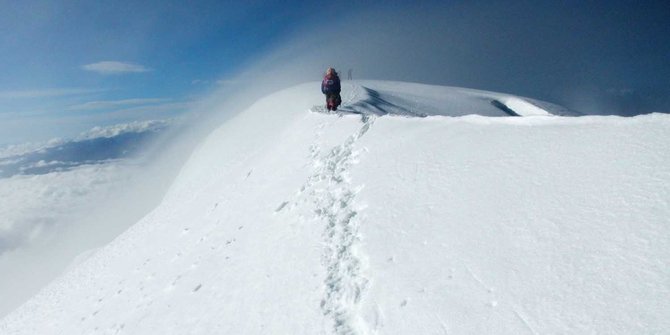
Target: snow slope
[(287, 221)]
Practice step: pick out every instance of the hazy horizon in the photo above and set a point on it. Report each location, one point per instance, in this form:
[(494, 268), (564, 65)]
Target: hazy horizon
[(72, 66)]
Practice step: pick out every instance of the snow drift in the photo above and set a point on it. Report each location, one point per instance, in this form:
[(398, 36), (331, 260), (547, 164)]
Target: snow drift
[(287, 221)]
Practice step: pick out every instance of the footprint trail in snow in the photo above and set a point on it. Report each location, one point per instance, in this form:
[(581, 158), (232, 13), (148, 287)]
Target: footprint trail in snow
[(334, 206)]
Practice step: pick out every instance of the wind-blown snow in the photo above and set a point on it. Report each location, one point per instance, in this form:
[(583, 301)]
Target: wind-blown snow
[(57, 199), (287, 221), (47, 185)]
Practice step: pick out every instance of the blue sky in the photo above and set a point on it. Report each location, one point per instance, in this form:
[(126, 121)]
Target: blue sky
[(69, 65), (49, 41)]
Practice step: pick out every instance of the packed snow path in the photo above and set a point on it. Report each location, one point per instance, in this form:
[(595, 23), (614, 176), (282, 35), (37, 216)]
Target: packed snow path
[(332, 195), (286, 221)]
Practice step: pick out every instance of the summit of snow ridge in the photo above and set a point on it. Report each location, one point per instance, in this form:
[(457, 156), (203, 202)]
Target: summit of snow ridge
[(420, 100)]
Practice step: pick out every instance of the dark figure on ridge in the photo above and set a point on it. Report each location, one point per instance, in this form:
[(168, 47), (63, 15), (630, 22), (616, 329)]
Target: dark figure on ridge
[(330, 86)]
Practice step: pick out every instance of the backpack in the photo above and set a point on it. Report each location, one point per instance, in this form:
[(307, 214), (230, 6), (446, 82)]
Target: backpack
[(330, 84)]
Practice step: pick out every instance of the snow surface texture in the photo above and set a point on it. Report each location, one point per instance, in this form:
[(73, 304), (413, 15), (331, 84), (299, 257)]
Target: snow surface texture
[(286, 221)]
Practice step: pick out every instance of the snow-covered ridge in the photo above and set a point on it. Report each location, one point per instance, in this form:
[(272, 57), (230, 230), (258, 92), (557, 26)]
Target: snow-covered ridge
[(286, 221), (409, 99)]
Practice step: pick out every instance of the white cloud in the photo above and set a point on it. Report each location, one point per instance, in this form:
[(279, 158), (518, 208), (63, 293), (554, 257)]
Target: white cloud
[(199, 81), (54, 92), (231, 82), (92, 105), (117, 129), (113, 67), (220, 82), (621, 92), (157, 111)]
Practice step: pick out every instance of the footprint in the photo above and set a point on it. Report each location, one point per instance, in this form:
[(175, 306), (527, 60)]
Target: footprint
[(283, 204)]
